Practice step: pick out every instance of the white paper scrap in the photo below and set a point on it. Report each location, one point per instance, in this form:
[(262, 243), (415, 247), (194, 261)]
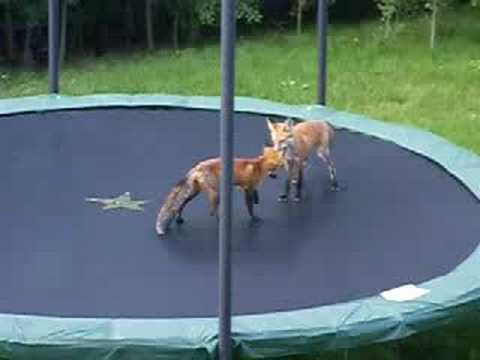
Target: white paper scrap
[(404, 293)]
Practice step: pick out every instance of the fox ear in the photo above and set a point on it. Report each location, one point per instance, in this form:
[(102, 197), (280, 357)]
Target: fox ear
[(270, 124), (290, 123)]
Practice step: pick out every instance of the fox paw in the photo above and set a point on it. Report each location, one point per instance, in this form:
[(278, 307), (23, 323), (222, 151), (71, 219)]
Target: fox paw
[(297, 199), (161, 232), (256, 220), (335, 187), (283, 198), (180, 220)]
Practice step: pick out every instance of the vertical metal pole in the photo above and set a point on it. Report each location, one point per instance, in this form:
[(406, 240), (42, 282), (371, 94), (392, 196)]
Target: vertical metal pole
[(322, 28), (228, 31), (53, 45), (228, 35)]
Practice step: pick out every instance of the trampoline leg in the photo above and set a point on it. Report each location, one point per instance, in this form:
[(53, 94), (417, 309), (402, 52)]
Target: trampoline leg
[(298, 195)]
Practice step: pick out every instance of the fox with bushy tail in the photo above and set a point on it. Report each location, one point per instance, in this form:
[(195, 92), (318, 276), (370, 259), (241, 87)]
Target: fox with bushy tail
[(205, 177)]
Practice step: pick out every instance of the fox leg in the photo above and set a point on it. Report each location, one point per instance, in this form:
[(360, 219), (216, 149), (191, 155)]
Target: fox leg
[(214, 200), (256, 197), (180, 219), (325, 156), (286, 192), (292, 168), (284, 196), (298, 195), (249, 200)]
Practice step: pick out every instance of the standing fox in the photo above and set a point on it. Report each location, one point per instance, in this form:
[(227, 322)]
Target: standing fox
[(297, 142), (205, 177)]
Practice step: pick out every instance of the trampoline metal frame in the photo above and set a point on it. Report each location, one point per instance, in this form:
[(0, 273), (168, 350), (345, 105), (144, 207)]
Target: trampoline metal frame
[(228, 33)]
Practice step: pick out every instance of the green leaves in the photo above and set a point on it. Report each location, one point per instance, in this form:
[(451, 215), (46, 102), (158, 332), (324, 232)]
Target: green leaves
[(33, 12), (248, 11)]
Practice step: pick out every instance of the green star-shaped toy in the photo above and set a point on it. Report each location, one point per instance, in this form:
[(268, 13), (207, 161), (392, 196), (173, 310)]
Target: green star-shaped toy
[(123, 201)]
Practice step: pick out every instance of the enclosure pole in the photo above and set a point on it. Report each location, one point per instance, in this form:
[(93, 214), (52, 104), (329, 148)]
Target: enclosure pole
[(228, 30), (322, 28), (53, 45)]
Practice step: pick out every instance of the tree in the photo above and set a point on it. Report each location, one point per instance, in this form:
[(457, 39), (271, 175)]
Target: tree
[(99, 15), (302, 6), (9, 31), (433, 22), (34, 13), (392, 11), (248, 11), (182, 14), (129, 21), (149, 24), (435, 6), (78, 23), (388, 9), (65, 4)]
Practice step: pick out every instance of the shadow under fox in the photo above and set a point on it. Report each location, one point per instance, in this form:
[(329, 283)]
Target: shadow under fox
[(205, 177)]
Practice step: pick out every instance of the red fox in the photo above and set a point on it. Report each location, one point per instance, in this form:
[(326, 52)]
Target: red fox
[(297, 142), (205, 177)]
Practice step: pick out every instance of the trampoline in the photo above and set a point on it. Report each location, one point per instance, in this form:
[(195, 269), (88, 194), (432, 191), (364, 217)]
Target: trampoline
[(80, 280)]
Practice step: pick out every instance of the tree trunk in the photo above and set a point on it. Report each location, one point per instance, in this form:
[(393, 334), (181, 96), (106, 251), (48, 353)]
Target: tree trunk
[(102, 36), (9, 32), (194, 35), (27, 50), (63, 31), (175, 35), (81, 32), (149, 24), (300, 5), (78, 42), (388, 28), (433, 30), (129, 23)]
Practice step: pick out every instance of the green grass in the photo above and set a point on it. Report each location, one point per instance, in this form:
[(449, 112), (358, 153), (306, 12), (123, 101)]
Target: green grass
[(400, 80)]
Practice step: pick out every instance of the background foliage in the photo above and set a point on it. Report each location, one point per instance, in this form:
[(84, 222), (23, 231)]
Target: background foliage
[(92, 26)]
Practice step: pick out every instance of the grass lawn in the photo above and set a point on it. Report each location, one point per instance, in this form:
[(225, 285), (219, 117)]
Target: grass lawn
[(399, 80)]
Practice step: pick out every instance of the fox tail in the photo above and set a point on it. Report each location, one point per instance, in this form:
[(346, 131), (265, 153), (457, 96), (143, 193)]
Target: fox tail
[(182, 192)]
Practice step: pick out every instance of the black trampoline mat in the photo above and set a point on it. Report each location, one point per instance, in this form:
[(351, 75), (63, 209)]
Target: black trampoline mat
[(402, 219)]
